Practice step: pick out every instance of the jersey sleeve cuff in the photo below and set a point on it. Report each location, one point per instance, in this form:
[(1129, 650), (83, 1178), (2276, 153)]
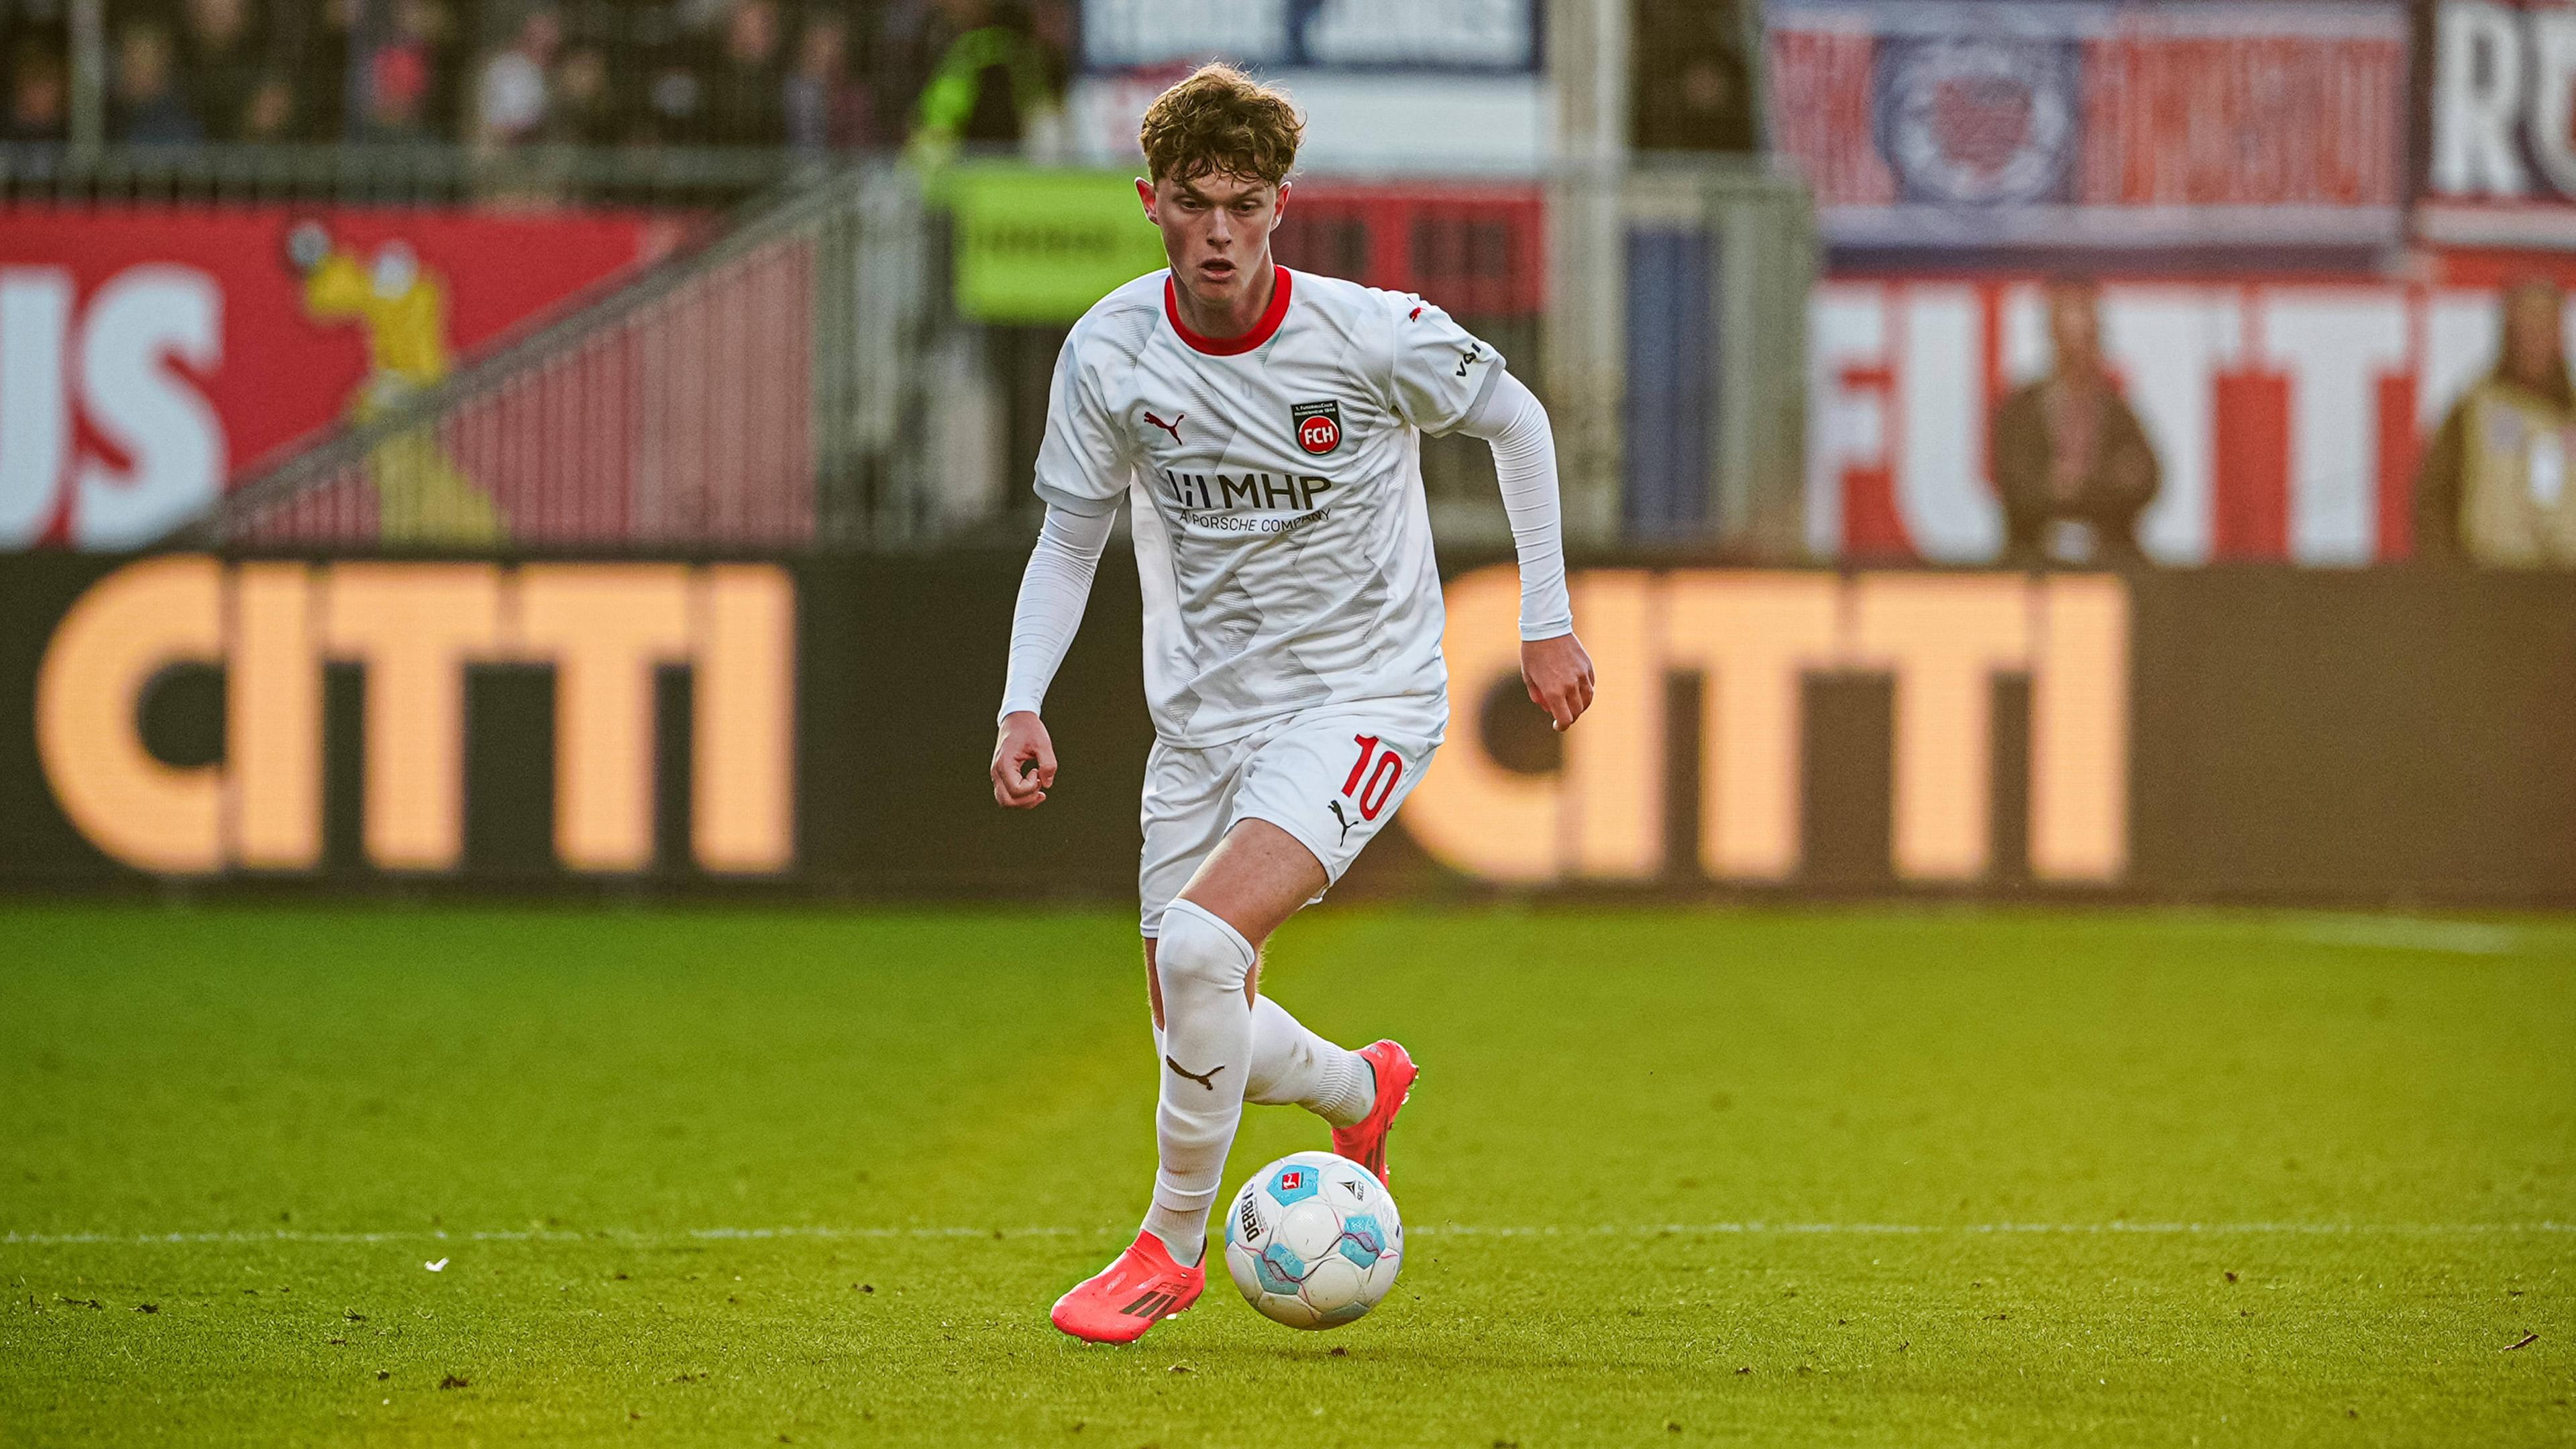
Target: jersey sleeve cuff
[(1484, 390), (1088, 507)]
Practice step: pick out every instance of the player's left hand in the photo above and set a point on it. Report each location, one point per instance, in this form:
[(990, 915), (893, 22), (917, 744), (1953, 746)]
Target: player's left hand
[(1559, 676)]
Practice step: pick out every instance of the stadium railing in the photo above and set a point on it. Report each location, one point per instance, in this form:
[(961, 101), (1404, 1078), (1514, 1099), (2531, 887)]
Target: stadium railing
[(411, 174), (804, 379), (752, 392)]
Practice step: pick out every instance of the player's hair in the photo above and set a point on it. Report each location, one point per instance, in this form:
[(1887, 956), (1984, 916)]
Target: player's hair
[(1224, 122)]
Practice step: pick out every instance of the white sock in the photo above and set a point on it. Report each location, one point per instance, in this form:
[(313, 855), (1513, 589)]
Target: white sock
[(1292, 1064), (1207, 1051)]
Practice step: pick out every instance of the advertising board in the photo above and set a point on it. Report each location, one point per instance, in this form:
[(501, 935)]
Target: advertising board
[(1042, 245), (2123, 126), (1453, 35), (1426, 87), (823, 728), (149, 354), (2500, 163), (2287, 413)]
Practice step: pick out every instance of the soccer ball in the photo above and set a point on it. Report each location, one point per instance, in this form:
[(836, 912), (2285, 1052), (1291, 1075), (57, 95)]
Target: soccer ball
[(1313, 1240)]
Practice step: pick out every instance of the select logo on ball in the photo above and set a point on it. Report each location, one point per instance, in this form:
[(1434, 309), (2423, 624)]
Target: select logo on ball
[(1318, 424)]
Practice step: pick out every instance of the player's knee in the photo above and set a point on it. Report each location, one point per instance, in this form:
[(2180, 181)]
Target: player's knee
[(1197, 951)]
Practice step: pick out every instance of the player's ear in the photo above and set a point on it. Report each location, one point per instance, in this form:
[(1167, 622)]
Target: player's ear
[(1279, 206), (1145, 194)]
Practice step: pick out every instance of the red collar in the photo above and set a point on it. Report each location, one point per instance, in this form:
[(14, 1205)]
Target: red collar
[(1271, 317)]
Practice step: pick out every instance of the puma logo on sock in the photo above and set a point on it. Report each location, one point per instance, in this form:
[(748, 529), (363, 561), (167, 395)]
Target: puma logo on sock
[(1205, 1079)]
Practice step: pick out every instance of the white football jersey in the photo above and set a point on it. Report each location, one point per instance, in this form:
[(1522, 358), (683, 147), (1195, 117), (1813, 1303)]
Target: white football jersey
[(1282, 538)]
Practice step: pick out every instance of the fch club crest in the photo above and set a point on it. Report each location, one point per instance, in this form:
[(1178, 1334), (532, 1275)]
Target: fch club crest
[(1318, 425)]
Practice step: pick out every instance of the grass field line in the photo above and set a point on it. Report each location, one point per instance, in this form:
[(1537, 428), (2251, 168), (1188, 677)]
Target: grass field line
[(2408, 933), (686, 1236)]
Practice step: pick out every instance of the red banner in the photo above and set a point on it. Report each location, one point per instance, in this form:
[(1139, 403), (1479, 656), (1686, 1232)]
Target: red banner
[(2288, 414), (2094, 124), (149, 355)]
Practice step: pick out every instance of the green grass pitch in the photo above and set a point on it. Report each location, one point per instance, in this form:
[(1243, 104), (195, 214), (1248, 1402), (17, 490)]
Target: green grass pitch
[(1673, 1177)]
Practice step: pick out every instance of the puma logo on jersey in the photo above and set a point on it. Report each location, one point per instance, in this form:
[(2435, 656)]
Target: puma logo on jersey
[(1205, 1079), (1347, 822), (1174, 426)]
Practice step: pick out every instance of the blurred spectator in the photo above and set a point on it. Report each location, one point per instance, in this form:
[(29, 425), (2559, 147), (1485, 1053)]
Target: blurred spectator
[(222, 62), (322, 71), (2493, 489), (582, 109), (1691, 91), (746, 102), (268, 112), (433, 26), (398, 79), (825, 111), (818, 75), (1057, 28), (2072, 465), (993, 84), (510, 95), (39, 94), (674, 104), (149, 109), (413, 71)]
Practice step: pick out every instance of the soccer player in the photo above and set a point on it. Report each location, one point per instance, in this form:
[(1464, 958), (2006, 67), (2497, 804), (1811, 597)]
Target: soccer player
[(1266, 425)]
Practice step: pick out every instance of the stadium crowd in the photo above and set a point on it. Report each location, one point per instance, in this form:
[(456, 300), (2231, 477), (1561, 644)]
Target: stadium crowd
[(809, 74)]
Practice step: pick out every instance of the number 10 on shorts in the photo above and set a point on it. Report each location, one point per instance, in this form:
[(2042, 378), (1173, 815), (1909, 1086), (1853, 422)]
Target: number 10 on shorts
[(1370, 788)]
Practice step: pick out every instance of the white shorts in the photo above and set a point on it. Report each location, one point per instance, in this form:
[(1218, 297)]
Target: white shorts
[(1331, 776)]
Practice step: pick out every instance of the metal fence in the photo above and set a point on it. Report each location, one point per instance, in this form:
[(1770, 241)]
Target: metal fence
[(406, 174), (804, 381), (748, 394)]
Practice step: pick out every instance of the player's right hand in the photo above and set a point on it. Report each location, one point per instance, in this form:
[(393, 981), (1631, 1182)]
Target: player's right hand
[(1023, 762), (1559, 676)]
